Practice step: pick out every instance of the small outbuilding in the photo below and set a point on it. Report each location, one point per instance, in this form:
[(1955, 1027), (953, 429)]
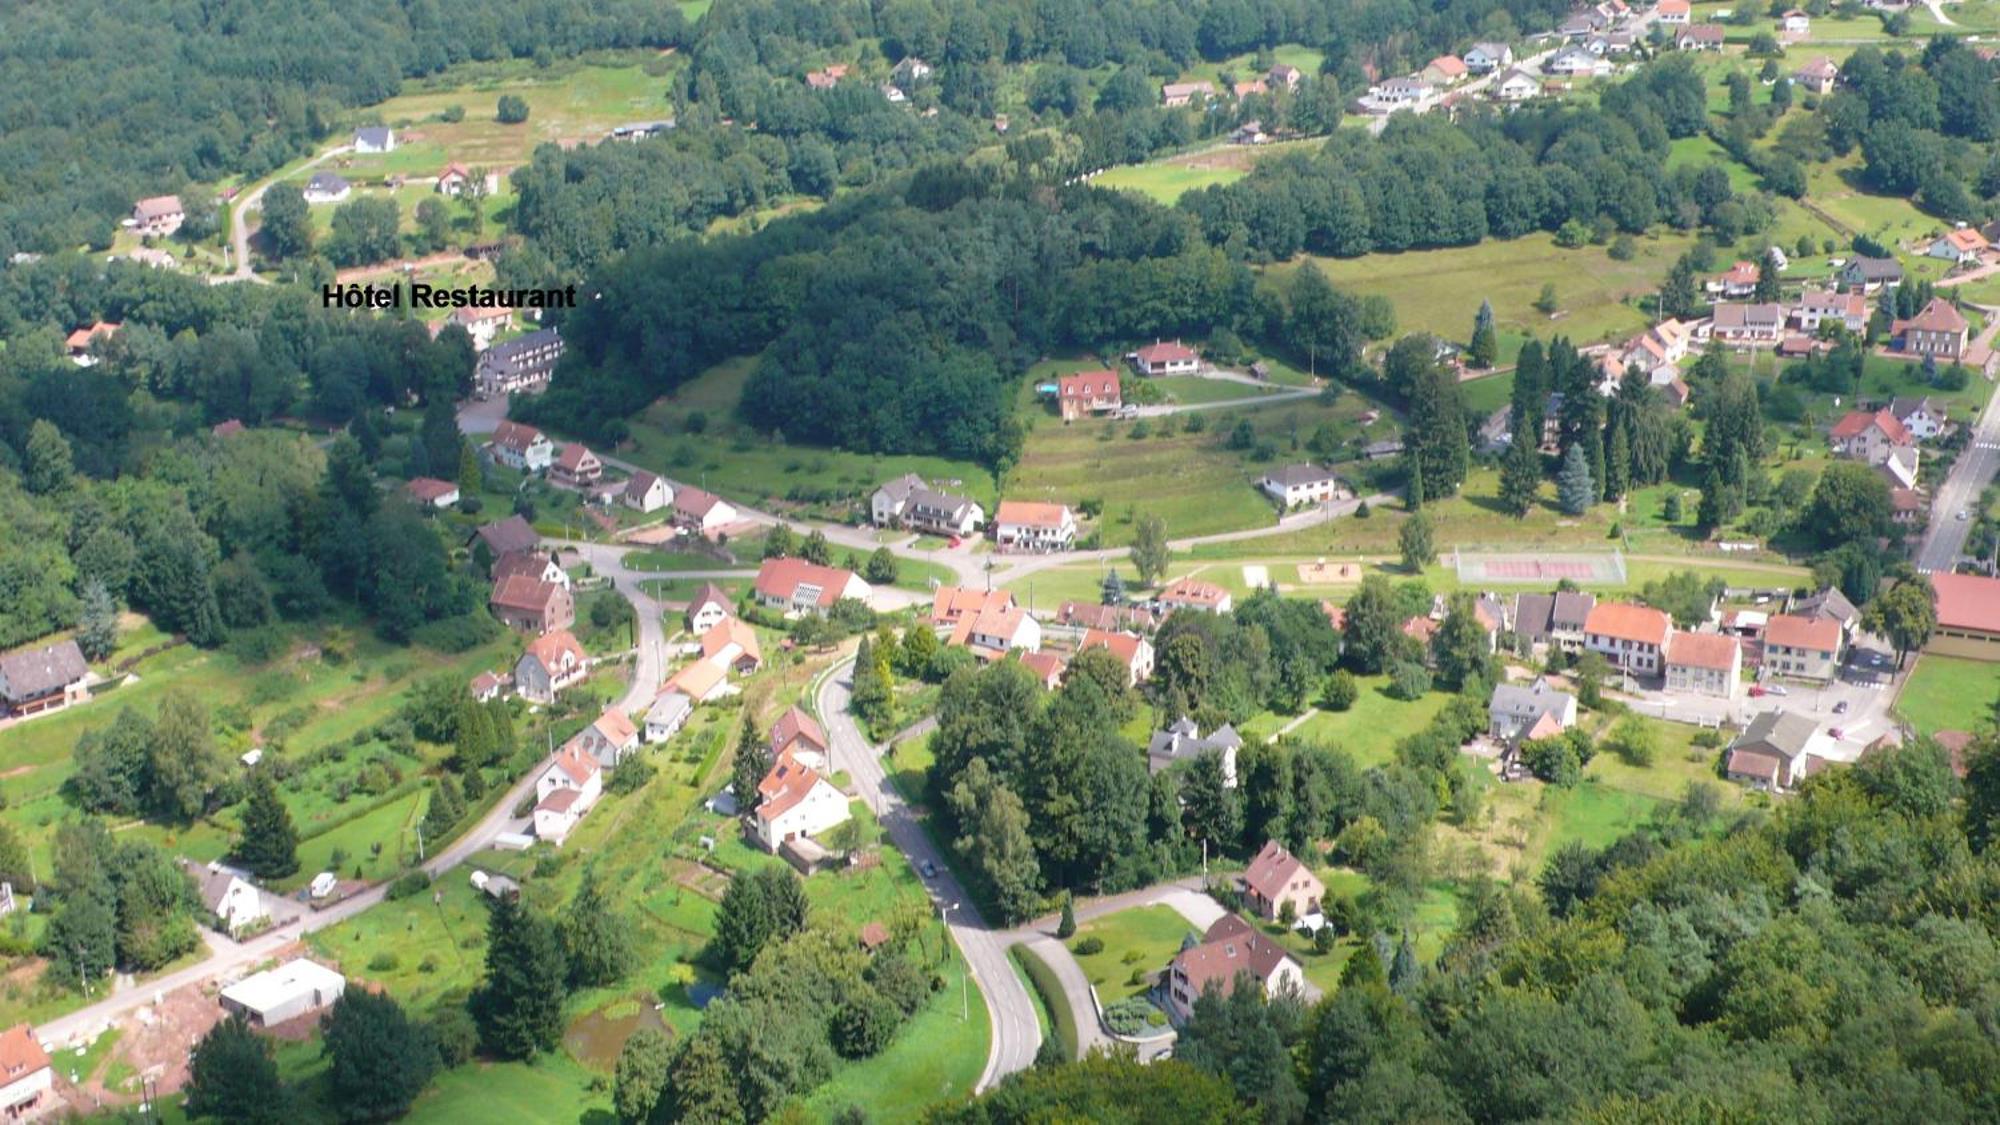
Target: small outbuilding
[(291, 990)]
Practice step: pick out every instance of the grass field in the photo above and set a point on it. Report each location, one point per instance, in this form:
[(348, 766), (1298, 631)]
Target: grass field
[(1439, 290), (1371, 728), (693, 435), (1166, 180), (1192, 480), (1138, 943), (570, 100), (1949, 693)]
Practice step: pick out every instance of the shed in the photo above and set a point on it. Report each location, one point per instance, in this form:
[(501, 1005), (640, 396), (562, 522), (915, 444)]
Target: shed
[(291, 990)]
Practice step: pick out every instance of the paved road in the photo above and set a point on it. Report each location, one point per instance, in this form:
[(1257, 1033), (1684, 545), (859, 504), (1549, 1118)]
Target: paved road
[(1944, 539), (228, 958), (239, 221), (1017, 1033)]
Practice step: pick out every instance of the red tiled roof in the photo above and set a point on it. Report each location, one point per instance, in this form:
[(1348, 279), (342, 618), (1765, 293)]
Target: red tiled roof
[(949, 603), (616, 727), (1626, 622), (796, 725), (1166, 353), (785, 786), (1124, 646), (1857, 422), (721, 634), (1230, 947), (1047, 666), (20, 1053), (515, 436), (1702, 650), (1938, 316), (427, 489), (1032, 513), (1273, 870), (575, 761), (1193, 591), (550, 647), (1088, 385), (519, 591), (1818, 634), (781, 578), (560, 800), (1967, 601), (573, 456)]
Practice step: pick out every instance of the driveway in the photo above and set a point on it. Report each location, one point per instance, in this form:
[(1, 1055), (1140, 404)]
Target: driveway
[(239, 221), (1017, 1032), (1866, 688)]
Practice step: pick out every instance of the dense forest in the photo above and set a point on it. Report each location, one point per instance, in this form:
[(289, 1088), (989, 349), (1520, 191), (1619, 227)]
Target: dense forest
[(1831, 960), (103, 102)]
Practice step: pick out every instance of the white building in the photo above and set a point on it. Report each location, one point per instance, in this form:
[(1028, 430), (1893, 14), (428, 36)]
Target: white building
[(29, 1081), (233, 904), (374, 139), (795, 801), (521, 447), (1026, 525), (291, 990), (1294, 485), (647, 492), (668, 714)]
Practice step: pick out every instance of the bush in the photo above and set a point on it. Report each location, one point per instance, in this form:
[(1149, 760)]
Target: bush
[(384, 962), (631, 775), (457, 1036), (410, 883), (1130, 1016), (1409, 680), (864, 1025), (1088, 946), (1342, 689), (512, 110)]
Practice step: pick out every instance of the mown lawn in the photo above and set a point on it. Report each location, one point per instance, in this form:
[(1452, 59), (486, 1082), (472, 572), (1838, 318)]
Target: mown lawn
[(1370, 730), (1165, 181), (1138, 943), (1949, 693), (692, 435), (571, 99), (1439, 290)]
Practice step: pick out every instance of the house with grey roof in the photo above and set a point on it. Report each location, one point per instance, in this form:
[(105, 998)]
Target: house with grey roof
[(234, 905), (1183, 742), (374, 138), (910, 502), (1869, 274), (48, 678), (1293, 485), (1829, 603), (326, 187), (1524, 712), (1778, 750), (1553, 619)]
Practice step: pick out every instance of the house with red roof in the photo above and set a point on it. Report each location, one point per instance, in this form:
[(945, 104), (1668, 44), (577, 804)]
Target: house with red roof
[(1938, 330), (1131, 649), (1803, 648), (521, 447), (795, 586), (1159, 358), (554, 661), (1029, 525), (1087, 392), (1048, 667), (709, 605), (950, 604), (565, 792), (1193, 593), (1968, 616), (530, 605), (1231, 952), (608, 739), (1704, 664), (82, 343), (1961, 246), (1444, 70), (1869, 436), (576, 466), (996, 630), (799, 734), (27, 1081), (429, 492), (1633, 638), (700, 511), (732, 645), (158, 216), (1277, 878), (795, 801)]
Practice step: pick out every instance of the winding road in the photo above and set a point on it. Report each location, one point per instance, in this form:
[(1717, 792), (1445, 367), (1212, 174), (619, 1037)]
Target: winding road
[(239, 220)]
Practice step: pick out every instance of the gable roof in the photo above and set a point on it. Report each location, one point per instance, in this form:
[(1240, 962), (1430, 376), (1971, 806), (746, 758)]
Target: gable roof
[(575, 455), (428, 489), (1702, 650), (949, 603), (375, 135), (549, 648), (694, 501), (1939, 315), (1124, 646), (781, 579), (1451, 66), (1175, 352), (1874, 269), (788, 783), (1783, 732), (1087, 384), (697, 679), (1819, 634), (615, 727), (796, 725), (20, 1053), (30, 672), (1031, 513), (1193, 591), (1230, 947), (640, 483), (531, 564), (1273, 870), (1537, 698), (1967, 601), (709, 594), (516, 437), (1821, 68), (520, 591), (1047, 666), (1627, 622), (1295, 476), (728, 631), (1857, 422), (575, 762)]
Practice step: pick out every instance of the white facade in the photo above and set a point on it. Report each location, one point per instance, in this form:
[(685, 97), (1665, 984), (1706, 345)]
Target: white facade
[(286, 992), (821, 808)]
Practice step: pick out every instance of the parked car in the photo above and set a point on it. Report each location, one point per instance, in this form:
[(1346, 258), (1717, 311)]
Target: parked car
[(1836, 734), (1778, 689), (1840, 708), (928, 868), (1756, 691)]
